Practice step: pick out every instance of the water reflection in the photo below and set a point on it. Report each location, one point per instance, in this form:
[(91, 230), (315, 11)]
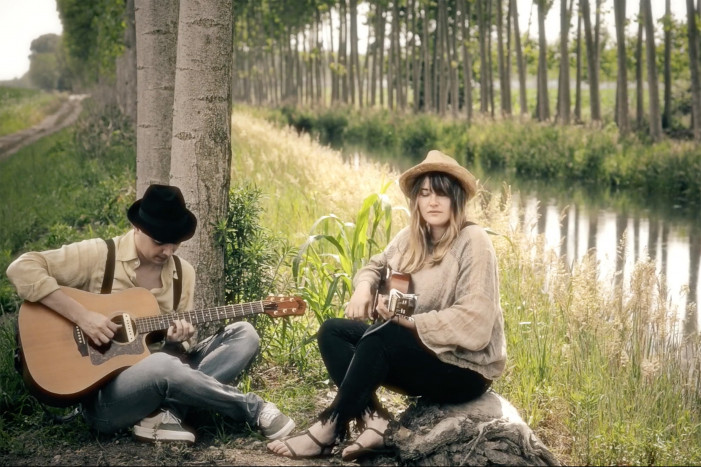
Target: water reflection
[(619, 239)]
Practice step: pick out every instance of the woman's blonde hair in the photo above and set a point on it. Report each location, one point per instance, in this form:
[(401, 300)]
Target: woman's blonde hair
[(421, 250)]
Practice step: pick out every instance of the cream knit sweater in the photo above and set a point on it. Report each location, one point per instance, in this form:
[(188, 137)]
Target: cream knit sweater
[(458, 315)]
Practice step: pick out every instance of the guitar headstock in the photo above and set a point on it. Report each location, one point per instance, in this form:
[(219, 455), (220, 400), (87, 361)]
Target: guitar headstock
[(279, 306)]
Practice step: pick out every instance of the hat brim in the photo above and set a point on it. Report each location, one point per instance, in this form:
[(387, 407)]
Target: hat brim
[(460, 173), (163, 231)]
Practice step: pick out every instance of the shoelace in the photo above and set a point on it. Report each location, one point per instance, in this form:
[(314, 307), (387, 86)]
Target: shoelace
[(267, 416)]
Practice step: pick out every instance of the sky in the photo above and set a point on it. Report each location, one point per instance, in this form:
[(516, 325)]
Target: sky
[(22, 21)]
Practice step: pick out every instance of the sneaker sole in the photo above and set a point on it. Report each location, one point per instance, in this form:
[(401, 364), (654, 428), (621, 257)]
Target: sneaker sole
[(284, 431), (150, 435)]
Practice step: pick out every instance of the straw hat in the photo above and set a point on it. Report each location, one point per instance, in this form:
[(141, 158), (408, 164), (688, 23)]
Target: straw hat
[(436, 161), (162, 214)]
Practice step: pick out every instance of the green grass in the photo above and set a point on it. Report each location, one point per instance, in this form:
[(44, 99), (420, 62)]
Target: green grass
[(596, 373), (23, 108)]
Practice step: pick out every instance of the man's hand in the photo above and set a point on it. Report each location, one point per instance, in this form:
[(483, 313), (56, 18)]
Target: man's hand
[(181, 330), (99, 328)]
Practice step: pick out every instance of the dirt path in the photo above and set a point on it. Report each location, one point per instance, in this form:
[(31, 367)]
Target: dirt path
[(66, 115)]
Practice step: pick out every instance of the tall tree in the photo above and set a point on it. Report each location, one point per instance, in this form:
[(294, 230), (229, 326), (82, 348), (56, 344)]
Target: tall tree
[(655, 119), (693, 36), (667, 70), (520, 63), (619, 11), (466, 57), (201, 155), (592, 59), (126, 65), (156, 38), (543, 103), (563, 96), (639, 104)]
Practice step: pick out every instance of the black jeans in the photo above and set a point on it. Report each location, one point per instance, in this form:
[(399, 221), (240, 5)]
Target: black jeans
[(393, 357)]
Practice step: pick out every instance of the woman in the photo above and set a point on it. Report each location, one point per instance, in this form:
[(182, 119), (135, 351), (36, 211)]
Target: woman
[(448, 351)]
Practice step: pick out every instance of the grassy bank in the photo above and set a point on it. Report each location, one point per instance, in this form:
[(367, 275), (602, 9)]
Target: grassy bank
[(596, 373)]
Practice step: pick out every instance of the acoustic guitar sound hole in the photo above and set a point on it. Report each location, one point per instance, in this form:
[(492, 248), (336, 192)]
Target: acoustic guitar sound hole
[(127, 330)]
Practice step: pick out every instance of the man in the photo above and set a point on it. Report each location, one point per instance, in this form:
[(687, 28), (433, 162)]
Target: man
[(154, 394)]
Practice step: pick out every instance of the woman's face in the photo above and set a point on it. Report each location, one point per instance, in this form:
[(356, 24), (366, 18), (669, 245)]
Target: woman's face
[(435, 209)]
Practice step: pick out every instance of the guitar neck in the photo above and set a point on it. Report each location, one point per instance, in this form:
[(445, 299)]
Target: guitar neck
[(148, 324)]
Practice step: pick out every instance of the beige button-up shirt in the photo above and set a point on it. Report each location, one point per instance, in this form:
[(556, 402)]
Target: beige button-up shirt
[(81, 265)]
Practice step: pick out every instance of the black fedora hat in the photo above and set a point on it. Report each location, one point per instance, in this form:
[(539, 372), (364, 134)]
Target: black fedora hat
[(162, 215)]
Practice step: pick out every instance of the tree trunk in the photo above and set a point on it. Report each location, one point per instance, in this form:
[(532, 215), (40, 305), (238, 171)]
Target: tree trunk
[(655, 117), (504, 88), (667, 22), (485, 431), (592, 72), (578, 79), (428, 82), (441, 36), (563, 96), (520, 63), (156, 37), (466, 58), (484, 67), (692, 31), (639, 107), (355, 75), (201, 158), (543, 106), (622, 80), (126, 66)]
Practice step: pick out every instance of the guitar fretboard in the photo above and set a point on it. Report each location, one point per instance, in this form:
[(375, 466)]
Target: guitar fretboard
[(161, 322)]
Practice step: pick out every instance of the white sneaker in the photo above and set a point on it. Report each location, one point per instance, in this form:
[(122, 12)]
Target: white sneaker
[(272, 423), (163, 426)]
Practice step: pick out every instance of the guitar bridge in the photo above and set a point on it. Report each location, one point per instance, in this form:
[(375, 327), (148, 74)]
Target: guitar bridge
[(402, 303)]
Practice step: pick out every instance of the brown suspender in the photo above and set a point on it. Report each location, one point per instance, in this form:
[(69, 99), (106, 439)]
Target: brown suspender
[(109, 274), (109, 268)]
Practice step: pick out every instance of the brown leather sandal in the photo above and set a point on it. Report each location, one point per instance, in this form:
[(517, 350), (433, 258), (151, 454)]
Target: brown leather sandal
[(363, 451), (326, 449)]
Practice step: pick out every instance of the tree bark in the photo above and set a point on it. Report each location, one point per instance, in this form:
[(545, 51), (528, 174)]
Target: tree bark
[(156, 37), (201, 155)]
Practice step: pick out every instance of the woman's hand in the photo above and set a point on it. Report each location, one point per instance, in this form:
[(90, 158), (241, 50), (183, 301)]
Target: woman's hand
[(360, 305), (180, 331)]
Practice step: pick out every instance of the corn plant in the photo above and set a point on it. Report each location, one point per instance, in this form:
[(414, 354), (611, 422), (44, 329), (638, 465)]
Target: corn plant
[(334, 251)]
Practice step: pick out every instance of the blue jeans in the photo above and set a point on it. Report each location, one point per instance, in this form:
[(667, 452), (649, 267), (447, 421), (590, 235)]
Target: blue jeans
[(201, 379)]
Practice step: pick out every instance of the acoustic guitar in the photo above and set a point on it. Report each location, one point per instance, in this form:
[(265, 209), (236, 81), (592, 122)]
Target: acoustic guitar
[(60, 363), (397, 285)]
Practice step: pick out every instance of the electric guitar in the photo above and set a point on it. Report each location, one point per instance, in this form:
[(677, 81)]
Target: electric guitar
[(60, 364)]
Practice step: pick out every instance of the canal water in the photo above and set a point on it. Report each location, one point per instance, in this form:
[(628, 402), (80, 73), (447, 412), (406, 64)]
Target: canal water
[(620, 230)]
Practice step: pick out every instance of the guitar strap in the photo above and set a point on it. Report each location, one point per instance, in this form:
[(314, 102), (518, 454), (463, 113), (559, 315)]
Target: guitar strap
[(108, 278)]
